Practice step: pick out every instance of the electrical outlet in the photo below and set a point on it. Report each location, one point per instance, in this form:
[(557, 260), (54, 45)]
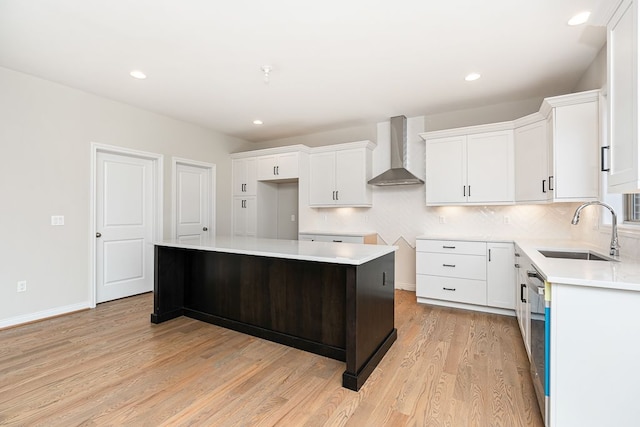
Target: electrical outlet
[(22, 286), (57, 219), (506, 219), (293, 218), (442, 219)]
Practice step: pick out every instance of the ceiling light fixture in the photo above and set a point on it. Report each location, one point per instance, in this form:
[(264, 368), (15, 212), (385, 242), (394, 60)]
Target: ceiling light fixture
[(579, 19), (266, 69), (257, 122), (472, 76), (137, 74)]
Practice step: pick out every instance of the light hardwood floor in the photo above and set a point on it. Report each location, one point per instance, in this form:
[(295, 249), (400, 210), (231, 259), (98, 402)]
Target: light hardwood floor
[(111, 366)]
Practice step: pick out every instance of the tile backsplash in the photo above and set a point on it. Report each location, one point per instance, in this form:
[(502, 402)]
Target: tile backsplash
[(400, 212)]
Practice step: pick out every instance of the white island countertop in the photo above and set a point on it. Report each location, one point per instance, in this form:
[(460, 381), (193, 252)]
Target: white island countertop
[(621, 273), (329, 252)]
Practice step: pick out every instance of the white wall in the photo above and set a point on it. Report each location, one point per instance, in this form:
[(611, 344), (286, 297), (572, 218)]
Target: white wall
[(45, 134)]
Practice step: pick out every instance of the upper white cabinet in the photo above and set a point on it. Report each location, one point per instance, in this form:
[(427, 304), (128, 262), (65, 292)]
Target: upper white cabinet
[(244, 176), (338, 175), (622, 99), (278, 166), (469, 166), (532, 162), (572, 126)]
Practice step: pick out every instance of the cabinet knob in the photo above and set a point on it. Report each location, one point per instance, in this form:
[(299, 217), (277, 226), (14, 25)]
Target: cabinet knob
[(205, 229), (98, 234)]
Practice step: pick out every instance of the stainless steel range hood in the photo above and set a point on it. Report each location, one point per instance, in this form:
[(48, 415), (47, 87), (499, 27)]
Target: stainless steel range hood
[(398, 173)]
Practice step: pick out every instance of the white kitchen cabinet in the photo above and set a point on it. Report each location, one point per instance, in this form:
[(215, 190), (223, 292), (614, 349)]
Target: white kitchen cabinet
[(338, 175), (245, 216), (468, 166), (523, 312), (278, 167), (450, 271), (572, 126), (622, 99), (531, 154), (466, 274), (500, 275), (244, 176)]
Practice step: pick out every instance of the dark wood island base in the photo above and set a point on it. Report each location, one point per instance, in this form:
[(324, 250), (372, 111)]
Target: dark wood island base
[(341, 311)]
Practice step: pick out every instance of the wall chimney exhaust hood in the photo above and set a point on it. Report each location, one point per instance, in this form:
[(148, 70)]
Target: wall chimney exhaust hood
[(398, 173)]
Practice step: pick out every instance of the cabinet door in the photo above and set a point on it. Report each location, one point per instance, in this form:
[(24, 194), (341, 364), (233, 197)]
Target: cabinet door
[(500, 276), (530, 151), (287, 167), (239, 217), (351, 178), (239, 176), (245, 217), (267, 168), (576, 152), (322, 179), (490, 167), (280, 166), (244, 176), (251, 208), (446, 173), (622, 51)]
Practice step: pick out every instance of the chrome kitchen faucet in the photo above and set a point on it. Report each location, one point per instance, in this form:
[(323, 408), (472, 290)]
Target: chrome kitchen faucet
[(614, 249)]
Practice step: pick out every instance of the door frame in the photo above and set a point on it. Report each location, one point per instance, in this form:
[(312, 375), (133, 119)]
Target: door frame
[(212, 193), (157, 161)]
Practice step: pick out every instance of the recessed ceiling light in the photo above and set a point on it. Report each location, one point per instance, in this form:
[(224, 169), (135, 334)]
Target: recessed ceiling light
[(471, 77), (257, 122), (580, 18), (137, 74)]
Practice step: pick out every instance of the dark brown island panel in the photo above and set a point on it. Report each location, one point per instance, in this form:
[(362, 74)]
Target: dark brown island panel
[(338, 310)]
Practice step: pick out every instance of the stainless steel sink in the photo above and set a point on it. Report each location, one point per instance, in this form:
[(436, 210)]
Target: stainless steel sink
[(584, 255)]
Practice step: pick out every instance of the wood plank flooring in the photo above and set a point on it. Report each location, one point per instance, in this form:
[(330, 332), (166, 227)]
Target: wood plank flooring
[(111, 366)]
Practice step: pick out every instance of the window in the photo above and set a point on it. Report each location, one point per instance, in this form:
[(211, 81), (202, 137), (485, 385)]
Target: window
[(632, 208)]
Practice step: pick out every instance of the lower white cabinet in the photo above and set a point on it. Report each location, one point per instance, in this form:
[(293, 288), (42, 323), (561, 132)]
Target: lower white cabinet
[(500, 276), (245, 216), (523, 309), (467, 274)]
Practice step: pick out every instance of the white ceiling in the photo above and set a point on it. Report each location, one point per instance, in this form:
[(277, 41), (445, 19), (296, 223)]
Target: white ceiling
[(336, 63)]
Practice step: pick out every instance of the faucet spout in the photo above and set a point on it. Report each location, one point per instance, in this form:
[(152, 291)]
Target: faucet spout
[(614, 249)]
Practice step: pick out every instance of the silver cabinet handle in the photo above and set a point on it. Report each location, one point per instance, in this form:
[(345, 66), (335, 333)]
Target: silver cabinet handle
[(449, 289), (98, 234), (448, 265), (448, 247)]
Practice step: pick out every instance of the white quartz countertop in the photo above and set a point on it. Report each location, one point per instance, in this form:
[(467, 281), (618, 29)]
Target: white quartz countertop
[(622, 273), (329, 252)]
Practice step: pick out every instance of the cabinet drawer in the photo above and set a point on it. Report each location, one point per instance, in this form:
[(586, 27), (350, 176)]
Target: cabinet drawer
[(452, 265), (452, 289), (338, 238), (451, 246)]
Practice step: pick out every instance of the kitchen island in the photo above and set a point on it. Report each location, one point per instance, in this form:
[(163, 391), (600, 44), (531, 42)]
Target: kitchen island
[(332, 299)]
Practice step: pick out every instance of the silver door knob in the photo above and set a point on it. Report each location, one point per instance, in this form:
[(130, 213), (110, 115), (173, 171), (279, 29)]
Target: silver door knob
[(205, 229), (98, 234)]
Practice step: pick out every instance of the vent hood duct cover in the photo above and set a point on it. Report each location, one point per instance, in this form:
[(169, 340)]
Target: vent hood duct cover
[(398, 173)]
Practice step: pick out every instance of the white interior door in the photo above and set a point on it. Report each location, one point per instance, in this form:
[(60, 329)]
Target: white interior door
[(192, 201), (124, 226)]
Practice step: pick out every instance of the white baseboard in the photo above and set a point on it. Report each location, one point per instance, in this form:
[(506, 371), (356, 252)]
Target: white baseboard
[(40, 315), (473, 307), (406, 286)]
